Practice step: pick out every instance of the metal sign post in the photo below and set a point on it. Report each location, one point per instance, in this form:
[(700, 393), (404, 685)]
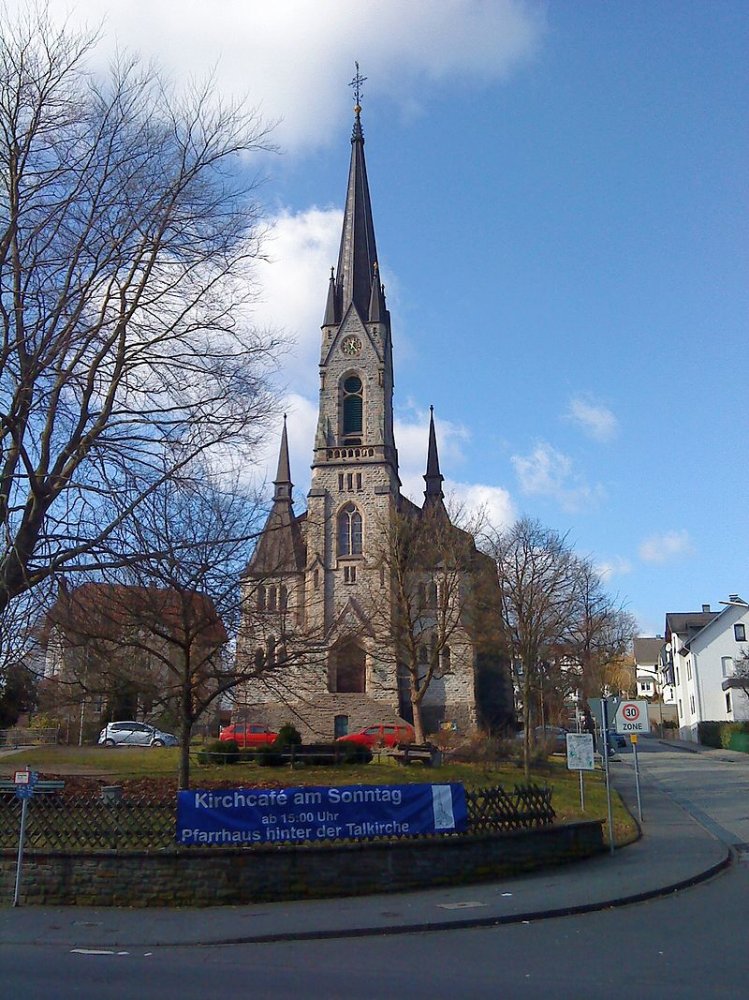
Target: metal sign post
[(580, 758), (633, 737), (24, 782), (609, 810), (632, 719)]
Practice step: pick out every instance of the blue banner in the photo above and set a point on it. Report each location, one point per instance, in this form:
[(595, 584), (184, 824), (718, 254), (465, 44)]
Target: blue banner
[(215, 817)]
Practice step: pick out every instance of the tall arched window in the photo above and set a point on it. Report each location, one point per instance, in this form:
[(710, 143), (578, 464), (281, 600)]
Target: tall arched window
[(353, 409), (349, 531)]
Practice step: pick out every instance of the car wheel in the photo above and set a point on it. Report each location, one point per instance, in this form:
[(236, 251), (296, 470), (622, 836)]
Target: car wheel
[(157, 743), (108, 743)]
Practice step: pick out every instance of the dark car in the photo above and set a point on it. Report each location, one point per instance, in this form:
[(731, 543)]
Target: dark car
[(553, 738), (248, 734), (616, 741)]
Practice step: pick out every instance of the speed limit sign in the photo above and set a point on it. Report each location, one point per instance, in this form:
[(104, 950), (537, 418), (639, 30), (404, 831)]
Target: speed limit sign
[(632, 717)]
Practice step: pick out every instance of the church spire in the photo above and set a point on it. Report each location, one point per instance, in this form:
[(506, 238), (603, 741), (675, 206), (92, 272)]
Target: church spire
[(358, 253), (433, 493), (282, 482)]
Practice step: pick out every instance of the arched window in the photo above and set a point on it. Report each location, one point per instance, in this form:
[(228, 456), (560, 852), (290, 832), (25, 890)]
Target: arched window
[(349, 531), (353, 409), (350, 669), (445, 660)]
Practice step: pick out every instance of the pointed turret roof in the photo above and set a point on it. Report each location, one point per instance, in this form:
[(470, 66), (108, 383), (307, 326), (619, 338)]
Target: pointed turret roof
[(433, 493), (358, 253), (280, 548)]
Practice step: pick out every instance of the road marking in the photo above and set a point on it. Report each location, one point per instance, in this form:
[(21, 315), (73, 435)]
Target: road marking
[(460, 906), (96, 951)]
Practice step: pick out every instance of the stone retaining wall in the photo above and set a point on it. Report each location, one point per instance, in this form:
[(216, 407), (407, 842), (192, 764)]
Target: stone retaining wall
[(198, 877)]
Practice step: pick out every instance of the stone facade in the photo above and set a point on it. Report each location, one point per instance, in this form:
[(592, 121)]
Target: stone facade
[(323, 602)]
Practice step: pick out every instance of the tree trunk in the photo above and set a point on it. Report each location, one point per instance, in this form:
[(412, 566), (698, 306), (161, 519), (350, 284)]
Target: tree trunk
[(416, 706), (185, 734)]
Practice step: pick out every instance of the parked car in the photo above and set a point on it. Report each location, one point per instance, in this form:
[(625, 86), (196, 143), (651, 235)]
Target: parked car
[(552, 737), (135, 734), (616, 741), (248, 734), (383, 735)]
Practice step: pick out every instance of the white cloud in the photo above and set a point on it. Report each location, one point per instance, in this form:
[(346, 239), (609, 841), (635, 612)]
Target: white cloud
[(294, 58), (593, 419), (616, 566), (478, 502), (666, 547), (292, 286), (547, 472)]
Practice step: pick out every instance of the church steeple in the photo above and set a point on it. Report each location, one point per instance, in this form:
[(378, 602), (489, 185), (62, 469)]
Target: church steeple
[(358, 253), (282, 482), (280, 548), (433, 493)]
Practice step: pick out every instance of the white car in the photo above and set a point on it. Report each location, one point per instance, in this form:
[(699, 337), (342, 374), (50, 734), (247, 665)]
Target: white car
[(135, 734)]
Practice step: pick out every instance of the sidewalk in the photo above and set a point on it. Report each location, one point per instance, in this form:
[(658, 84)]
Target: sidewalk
[(674, 852)]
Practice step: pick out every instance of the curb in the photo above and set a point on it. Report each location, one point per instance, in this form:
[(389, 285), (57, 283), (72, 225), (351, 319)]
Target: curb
[(465, 924)]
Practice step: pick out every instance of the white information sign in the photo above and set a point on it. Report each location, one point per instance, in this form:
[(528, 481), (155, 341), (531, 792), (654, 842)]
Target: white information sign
[(580, 752), (632, 717)]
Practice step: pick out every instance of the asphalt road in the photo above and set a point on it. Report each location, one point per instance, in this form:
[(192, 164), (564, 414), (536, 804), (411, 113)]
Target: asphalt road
[(687, 945)]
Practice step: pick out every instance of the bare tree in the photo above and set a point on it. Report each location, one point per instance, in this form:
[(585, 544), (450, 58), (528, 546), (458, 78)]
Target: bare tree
[(740, 676), (599, 633), (126, 243), (536, 570), (426, 627)]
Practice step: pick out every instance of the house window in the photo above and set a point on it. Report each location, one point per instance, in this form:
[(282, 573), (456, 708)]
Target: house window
[(353, 408), (349, 531), (726, 665), (316, 579), (349, 574), (271, 598), (432, 594), (358, 482), (728, 702), (689, 670), (261, 598), (739, 632), (677, 676), (691, 703), (681, 713), (340, 482)]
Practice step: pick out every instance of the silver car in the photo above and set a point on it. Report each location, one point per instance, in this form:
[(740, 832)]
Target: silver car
[(135, 734)]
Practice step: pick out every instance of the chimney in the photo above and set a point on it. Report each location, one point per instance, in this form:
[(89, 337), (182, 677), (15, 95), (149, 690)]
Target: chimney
[(705, 608)]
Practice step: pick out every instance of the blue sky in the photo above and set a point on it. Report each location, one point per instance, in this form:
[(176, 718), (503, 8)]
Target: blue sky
[(560, 199)]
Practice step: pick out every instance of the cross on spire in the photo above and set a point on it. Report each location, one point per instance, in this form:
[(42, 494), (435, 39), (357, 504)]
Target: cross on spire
[(356, 84)]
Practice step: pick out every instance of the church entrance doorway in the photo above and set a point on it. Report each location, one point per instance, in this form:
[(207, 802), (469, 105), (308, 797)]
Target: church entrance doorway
[(350, 662)]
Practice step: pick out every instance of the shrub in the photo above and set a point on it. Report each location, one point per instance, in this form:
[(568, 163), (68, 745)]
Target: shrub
[(288, 736), (270, 755), (708, 734), (353, 753), (219, 752)]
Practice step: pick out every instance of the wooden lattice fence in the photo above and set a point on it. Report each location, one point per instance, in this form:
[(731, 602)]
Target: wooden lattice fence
[(145, 820)]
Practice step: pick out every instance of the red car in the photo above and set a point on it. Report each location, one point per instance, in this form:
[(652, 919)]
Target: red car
[(384, 735), (247, 734)]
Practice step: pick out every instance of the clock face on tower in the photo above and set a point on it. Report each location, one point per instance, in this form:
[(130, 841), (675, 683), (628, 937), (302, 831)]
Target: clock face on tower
[(350, 346)]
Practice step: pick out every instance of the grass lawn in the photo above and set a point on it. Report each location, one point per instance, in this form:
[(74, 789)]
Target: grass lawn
[(120, 763)]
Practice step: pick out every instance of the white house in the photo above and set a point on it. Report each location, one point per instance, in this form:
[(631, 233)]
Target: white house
[(702, 649), (651, 681)]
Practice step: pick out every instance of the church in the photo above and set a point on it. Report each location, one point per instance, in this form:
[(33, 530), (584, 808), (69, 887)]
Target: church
[(366, 608)]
